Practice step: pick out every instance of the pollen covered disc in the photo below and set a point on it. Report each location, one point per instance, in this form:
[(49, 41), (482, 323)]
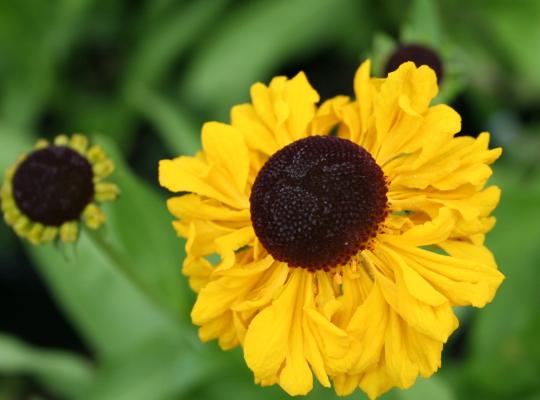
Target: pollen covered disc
[(318, 201), (53, 185)]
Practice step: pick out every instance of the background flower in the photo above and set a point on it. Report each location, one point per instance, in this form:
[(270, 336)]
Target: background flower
[(55, 186)]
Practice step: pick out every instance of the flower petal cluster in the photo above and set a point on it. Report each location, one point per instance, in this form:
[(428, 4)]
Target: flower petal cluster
[(380, 319)]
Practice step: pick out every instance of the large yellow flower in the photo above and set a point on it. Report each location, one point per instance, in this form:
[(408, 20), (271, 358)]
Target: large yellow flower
[(334, 241)]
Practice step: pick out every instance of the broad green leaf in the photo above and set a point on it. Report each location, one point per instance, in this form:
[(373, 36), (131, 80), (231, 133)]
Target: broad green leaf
[(108, 309), (63, 373), (252, 41), (163, 368)]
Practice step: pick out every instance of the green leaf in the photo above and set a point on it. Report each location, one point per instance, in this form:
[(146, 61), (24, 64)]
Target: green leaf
[(28, 66), (500, 41), (111, 313), (235, 381), (97, 113), (140, 230), (175, 126), (252, 41), (430, 388), (162, 368), (516, 32), (505, 351), (423, 24), (15, 142), (383, 47), (11, 388), (165, 38), (64, 373)]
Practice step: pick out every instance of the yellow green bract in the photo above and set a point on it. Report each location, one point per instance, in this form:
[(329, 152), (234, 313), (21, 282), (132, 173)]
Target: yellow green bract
[(382, 319), (93, 216)]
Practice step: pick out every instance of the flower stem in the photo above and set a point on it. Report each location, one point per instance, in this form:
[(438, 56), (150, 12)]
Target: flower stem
[(120, 262)]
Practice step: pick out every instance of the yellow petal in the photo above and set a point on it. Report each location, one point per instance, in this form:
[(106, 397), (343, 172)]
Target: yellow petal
[(187, 174), (286, 107), (191, 174), (272, 283), (296, 377), (436, 322), (431, 232), (417, 286), (409, 353), (300, 98), (345, 384), (257, 135), (377, 381), (363, 92), (418, 84), (194, 206), (220, 142), (219, 295), (267, 338), (462, 281), (201, 236), (198, 270), (368, 327), (226, 246), (468, 251), (327, 115), (399, 366), (316, 360), (221, 328), (330, 342)]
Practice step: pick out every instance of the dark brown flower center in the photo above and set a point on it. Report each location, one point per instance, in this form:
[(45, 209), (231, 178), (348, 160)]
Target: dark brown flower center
[(53, 185), (419, 54), (318, 201)]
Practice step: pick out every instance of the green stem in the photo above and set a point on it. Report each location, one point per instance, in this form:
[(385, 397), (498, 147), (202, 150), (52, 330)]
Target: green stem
[(123, 265)]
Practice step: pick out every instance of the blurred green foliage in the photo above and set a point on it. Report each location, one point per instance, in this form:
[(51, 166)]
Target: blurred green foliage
[(141, 76)]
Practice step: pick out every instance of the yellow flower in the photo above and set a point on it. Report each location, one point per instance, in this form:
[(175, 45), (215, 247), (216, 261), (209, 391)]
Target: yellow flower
[(47, 192), (345, 233)]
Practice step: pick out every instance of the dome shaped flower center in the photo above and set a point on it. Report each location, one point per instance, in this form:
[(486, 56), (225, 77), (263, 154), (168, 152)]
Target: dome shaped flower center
[(420, 55), (318, 201), (53, 185)]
